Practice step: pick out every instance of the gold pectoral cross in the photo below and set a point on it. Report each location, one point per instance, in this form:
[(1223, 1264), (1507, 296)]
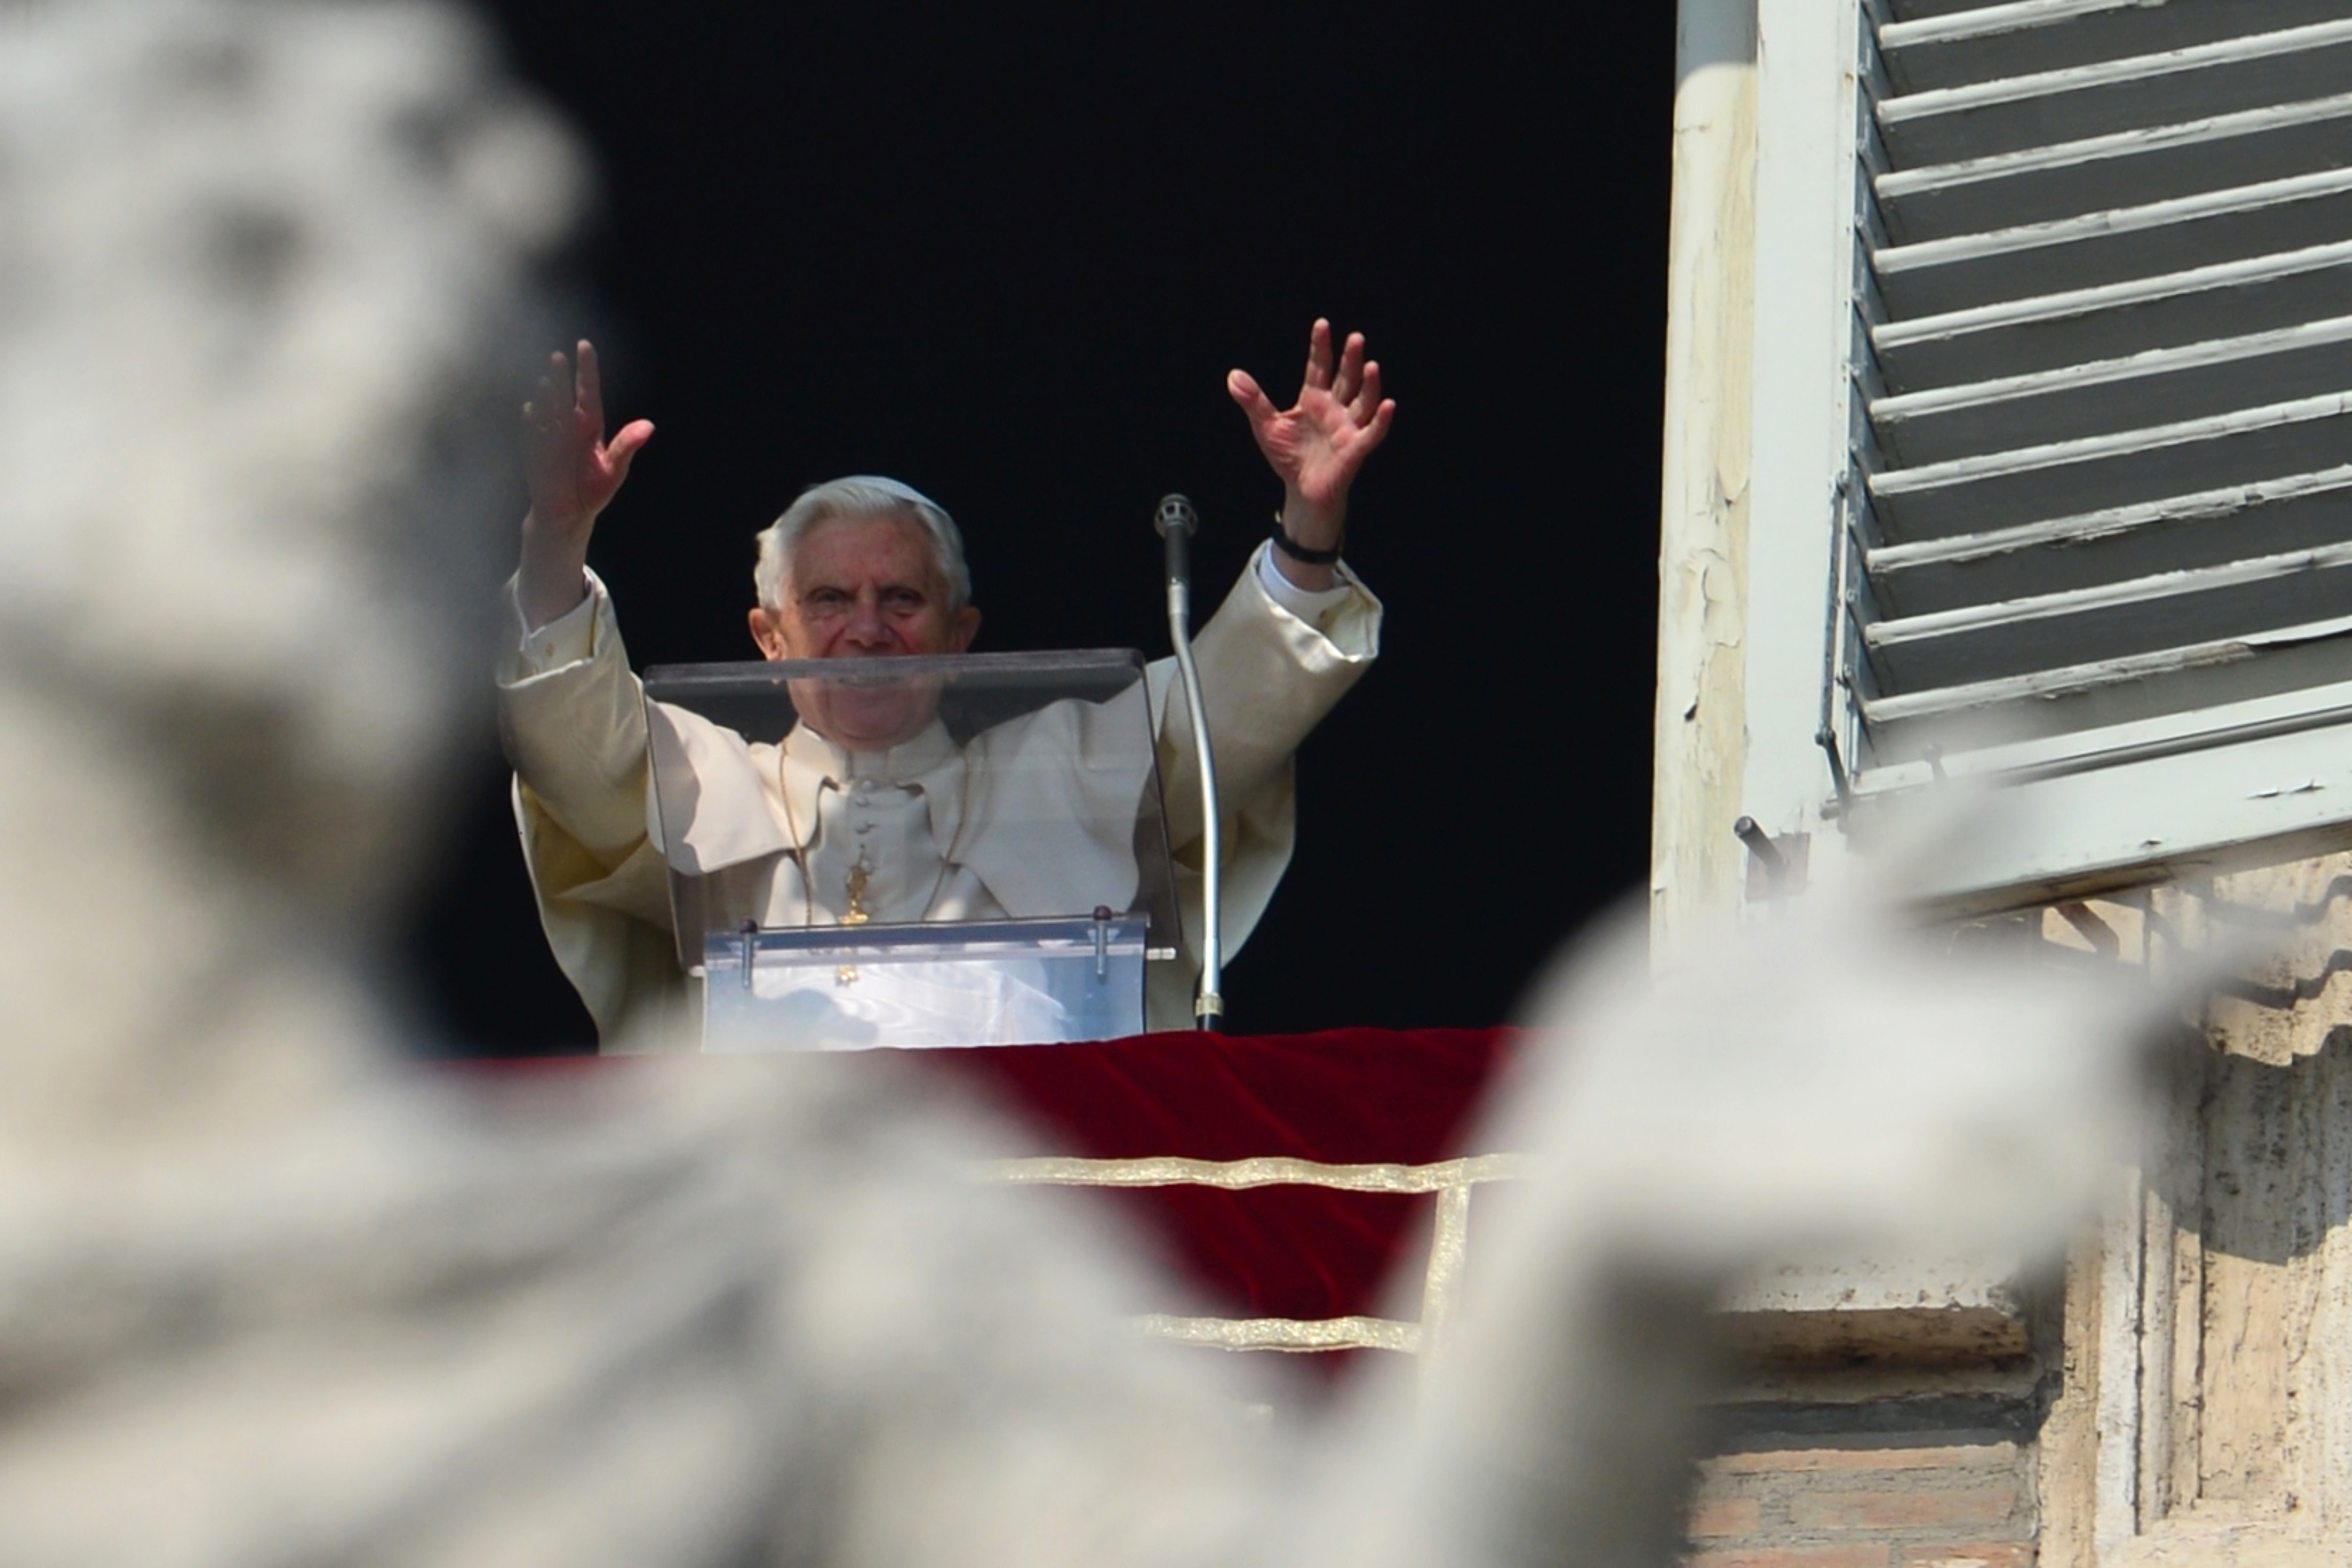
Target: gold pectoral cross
[(854, 889), (855, 914)]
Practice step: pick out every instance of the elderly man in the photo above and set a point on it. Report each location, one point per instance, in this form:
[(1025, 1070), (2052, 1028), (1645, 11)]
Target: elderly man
[(868, 567)]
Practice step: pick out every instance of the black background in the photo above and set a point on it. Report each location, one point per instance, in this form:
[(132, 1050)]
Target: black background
[(1007, 253)]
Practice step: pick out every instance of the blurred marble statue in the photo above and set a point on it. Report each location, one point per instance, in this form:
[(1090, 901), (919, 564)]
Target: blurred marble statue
[(269, 1296)]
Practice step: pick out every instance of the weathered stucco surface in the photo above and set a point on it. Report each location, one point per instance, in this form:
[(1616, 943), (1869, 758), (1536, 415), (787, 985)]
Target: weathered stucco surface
[(2209, 1332), (1703, 519)]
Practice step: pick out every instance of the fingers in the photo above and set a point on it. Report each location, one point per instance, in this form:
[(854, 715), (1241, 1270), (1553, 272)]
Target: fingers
[(624, 447), (1319, 354), (1367, 401), (539, 427), (1245, 391), (1351, 379), (589, 398), (1354, 381), (1352, 456), (544, 408)]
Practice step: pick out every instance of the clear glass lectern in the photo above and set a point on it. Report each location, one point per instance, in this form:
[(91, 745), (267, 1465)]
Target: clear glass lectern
[(964, 850)]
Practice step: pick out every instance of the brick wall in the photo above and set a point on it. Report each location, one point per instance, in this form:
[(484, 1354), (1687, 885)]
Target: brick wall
[(1953, 1500)]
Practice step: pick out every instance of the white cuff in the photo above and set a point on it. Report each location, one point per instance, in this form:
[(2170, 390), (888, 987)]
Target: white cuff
[(567, 639), (1311, 607)]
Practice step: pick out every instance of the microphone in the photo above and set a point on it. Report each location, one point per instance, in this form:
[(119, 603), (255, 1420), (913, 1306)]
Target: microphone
[(1176, 522)]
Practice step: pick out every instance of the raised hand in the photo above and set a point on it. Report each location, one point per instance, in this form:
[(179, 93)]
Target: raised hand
[(1319, 445), (574, 473)]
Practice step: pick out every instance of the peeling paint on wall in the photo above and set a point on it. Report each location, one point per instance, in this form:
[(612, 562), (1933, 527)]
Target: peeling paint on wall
[(1695, 862)]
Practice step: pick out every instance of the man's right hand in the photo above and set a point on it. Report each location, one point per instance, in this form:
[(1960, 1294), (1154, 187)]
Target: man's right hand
[(575, 474)]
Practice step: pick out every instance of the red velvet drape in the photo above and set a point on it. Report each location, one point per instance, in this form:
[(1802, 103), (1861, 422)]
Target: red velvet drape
[(1343, 1097)]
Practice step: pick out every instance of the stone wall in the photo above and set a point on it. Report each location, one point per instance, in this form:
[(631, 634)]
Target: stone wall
[(1921, 1498), (2187, 1396), (2207, 1413)]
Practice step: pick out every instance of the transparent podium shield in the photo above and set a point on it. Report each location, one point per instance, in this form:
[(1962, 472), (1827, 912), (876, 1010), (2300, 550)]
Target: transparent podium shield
[(959, 850)]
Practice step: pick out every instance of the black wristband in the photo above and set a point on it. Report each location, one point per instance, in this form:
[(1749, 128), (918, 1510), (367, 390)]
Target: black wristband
[(1298, 551)]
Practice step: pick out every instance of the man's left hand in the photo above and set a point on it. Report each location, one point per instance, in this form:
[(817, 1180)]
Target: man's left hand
[(1318, 445)]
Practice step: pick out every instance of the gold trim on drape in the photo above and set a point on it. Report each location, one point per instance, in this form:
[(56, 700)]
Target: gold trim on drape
[(1271, 1170), (1449, 1241), (1286, 1334)]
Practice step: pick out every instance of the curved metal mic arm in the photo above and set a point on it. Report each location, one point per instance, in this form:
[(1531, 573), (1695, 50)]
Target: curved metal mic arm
[(1176, 522)]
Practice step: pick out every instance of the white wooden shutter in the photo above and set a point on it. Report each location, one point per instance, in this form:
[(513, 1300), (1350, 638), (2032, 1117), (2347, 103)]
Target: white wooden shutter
[(2093, 508)]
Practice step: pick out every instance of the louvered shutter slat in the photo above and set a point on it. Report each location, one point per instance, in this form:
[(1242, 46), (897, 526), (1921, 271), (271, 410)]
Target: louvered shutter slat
[(2116, 245), (2238, 298), (2119, 544), (2131, 169), (2063, 699), (2006, 114), (1997, 490), (1964, 46), (2115, 620), (2107, 396)]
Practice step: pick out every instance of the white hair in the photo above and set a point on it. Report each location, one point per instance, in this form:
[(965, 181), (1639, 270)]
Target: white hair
[(859, 495)]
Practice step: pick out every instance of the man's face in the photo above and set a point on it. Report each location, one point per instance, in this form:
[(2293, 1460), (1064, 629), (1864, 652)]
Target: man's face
[(865, 586)]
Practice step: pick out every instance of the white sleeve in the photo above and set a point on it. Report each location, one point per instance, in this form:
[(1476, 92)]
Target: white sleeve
[(1314, 608)]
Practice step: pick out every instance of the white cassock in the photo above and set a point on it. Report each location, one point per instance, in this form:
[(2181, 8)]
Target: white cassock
[(780, 826)]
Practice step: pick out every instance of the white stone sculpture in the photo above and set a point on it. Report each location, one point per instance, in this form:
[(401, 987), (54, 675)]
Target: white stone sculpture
[(267, 1296)]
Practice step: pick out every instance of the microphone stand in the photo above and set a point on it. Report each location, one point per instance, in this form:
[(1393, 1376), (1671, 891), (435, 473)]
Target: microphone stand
[(1176, 522)]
